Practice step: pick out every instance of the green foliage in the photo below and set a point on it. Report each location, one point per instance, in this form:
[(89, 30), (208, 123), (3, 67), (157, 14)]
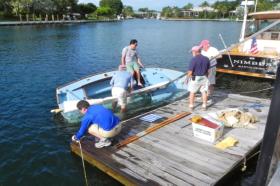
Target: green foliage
[(104, 11), (86, 8), (265, 5), (167, 12), (177, 12), (204, 4), (143, 10), (116, 6), (128, 11), (188, 6)]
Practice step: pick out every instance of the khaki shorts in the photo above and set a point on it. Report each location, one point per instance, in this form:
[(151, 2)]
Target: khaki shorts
[(132, 66), (94, 128), (121, 94), (200, 83)]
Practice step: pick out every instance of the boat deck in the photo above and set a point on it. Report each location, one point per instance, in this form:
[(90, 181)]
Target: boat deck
[(171, 155)]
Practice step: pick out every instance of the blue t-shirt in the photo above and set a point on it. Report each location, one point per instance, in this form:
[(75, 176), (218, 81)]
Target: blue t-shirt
[(199, 65), (97, 114), (121, 79)]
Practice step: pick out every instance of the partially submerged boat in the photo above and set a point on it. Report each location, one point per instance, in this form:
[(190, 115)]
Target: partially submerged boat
[(258, 52), (160, 85)]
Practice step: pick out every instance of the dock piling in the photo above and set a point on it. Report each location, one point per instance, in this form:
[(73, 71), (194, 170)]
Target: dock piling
[(270, 136)]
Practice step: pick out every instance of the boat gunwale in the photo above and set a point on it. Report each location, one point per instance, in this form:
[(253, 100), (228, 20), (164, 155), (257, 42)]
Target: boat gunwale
[(265, 15), (95, 74), (261, 55)]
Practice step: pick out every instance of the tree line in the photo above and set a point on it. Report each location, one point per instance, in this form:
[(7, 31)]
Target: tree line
[(223, 8), (112, 8), (14, 8)]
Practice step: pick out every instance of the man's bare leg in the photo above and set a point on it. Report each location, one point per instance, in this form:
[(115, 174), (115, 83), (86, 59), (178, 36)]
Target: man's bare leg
[(204, 98), (138, 78), (210, 90), (191, 103)]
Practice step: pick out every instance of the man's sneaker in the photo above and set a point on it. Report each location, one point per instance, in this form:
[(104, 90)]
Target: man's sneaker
[(210, 101), (103, 143)]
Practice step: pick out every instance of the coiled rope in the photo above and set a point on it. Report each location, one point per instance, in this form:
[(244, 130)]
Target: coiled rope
[(85, 174)]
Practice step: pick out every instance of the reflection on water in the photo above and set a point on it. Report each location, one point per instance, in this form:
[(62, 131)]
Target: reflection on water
[(248, 86)]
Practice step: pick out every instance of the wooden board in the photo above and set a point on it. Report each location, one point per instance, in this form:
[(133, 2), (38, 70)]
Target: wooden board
[(251, 74), (171, 155)]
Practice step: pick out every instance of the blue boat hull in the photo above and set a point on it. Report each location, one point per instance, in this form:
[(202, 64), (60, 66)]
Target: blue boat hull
[(97, 87)]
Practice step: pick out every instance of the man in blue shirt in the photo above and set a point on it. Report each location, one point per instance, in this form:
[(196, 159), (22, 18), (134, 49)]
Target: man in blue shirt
[(198, 72), (99, 122), (120, 83)]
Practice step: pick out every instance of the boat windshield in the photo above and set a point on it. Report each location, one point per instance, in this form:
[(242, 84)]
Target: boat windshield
[(257, 25)]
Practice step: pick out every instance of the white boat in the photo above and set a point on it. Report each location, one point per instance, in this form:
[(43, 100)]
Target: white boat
[(258, 52), (160, 84)]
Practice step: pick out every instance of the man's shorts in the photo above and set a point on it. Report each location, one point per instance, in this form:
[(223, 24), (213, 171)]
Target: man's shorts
[(94, 128), (121, 94), (212, 76), (132, 66), (200, 83)]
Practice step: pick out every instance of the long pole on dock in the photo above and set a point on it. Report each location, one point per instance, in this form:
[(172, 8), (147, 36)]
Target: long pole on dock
[(270, 135), (152, 129)]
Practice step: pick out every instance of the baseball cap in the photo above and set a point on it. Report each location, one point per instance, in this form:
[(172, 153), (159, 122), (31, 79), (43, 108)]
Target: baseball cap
[(204, 43), (196, 48)]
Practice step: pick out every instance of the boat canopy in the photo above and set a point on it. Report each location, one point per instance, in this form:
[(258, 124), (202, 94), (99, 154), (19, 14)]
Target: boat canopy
[(265, 15)]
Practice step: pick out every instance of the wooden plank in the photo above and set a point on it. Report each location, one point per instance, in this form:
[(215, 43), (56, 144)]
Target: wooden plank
[(151, 168), (192, 167), (140, 170), (242, 73), (184, 153), (124, 179), (173, 167), (151, 129)]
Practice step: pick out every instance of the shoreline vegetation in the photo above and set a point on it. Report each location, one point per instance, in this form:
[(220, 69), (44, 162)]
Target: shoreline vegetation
[(65, 11)]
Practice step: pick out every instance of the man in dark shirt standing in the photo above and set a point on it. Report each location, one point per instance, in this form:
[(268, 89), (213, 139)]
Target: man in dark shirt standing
[(198, 72)]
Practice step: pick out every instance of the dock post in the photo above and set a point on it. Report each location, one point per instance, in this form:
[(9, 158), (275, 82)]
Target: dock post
[(270, 136)]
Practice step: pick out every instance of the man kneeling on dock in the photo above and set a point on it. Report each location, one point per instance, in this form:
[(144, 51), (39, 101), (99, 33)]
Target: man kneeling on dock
[(99, 122)]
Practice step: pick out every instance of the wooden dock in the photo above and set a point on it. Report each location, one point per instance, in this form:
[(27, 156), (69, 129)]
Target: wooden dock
[(171, 155)]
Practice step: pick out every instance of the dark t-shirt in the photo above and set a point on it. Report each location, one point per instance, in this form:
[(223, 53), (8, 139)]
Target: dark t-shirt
[(199, 65)]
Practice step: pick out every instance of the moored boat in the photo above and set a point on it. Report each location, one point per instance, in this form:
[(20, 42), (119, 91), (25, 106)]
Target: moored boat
[(258, 52), (160, 84)]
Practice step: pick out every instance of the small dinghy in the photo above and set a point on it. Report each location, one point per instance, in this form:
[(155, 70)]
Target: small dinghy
[(160, 85)]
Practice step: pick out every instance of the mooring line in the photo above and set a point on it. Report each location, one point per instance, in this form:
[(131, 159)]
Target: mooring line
[(85, 174)]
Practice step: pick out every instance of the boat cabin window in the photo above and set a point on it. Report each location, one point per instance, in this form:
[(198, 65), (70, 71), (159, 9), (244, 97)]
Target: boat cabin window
[(257, 25)]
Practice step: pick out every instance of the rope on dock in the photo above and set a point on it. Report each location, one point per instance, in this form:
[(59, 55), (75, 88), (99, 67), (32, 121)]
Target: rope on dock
[(83, 161), (244, 167)]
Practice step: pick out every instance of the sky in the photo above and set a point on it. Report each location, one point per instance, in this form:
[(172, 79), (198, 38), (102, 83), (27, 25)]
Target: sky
[(153, 4)]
